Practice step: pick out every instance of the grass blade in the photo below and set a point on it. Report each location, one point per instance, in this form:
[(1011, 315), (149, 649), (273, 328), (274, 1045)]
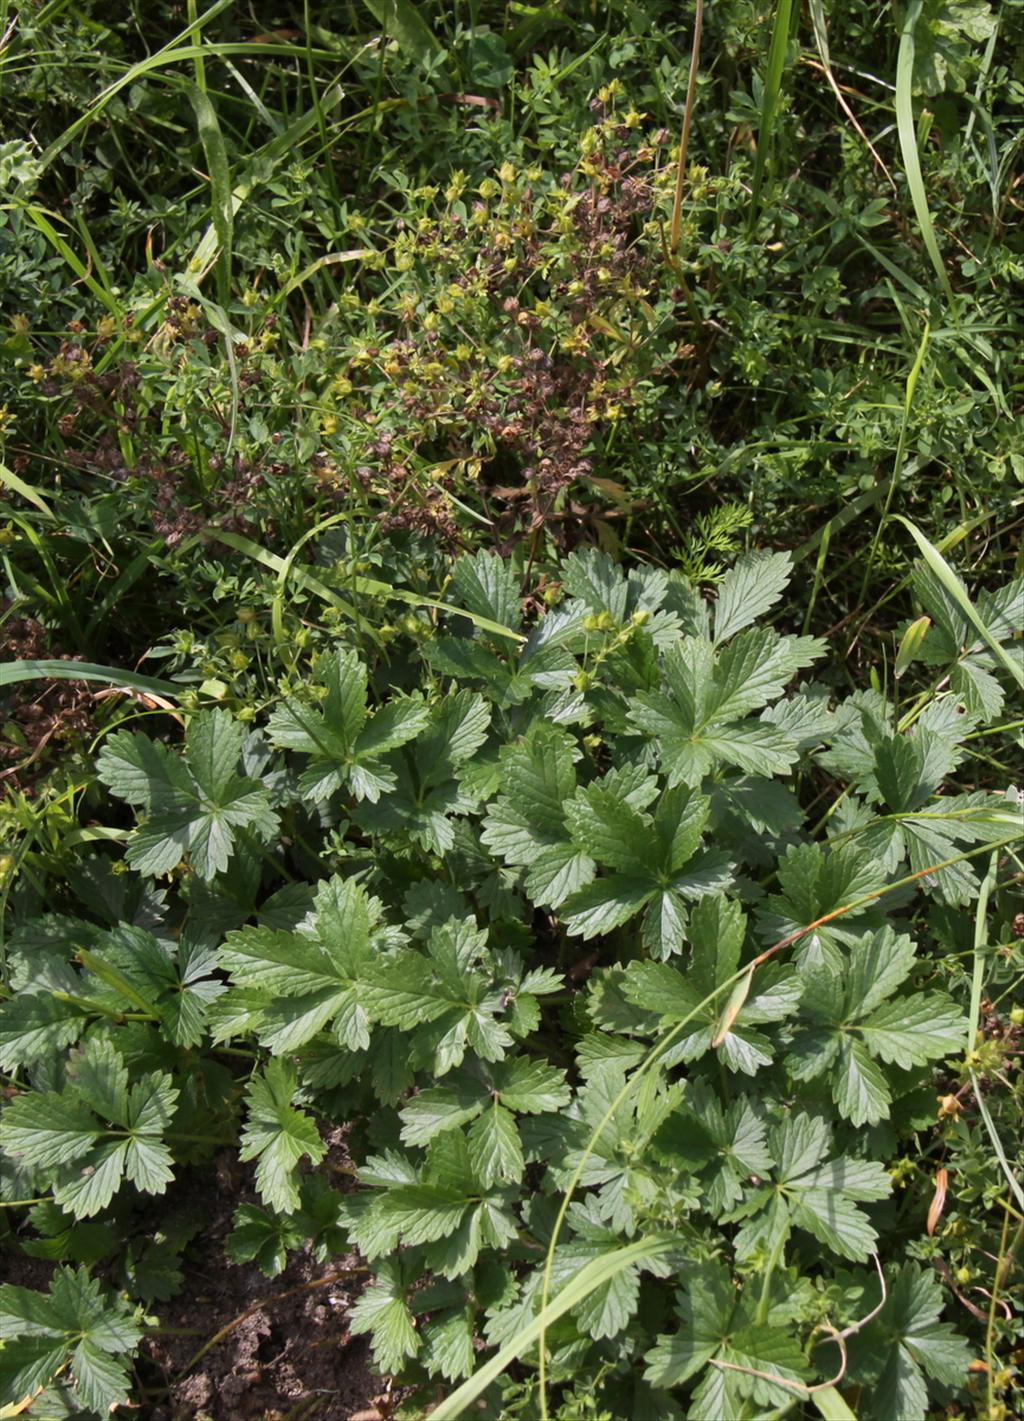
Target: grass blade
[(908, 147), (977, 983), (260, 167), (11, 480), (41, 220), (586, 1281), (832, 1406), (222, 211), (901, 447), (770, 100), (12, 671), (952, 584), (167, 55), (364, 586)]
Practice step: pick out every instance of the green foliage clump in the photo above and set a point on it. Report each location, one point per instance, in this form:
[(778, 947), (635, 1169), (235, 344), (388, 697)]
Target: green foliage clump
[(570, 937), (433, 801)]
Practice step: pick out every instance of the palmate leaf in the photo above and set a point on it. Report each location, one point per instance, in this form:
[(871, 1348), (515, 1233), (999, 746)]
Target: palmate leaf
[(812, 1192), (525, 824), (725, 1147), (718, 1326), (428, 793), (262, 1238), (442, 1206), (814, 882), (77, 1320), (68, 1132), (852, 1020), (299, 982), (716, 931), (654, 860), (906, 1345), (701, 717), (197, 804), (487, 1097), (345, 739), (455, 998)]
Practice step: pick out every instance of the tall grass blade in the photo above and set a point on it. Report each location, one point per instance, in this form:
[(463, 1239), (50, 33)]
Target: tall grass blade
[(952, 584), (770, 101), (977, 983), (175, 49), (41, 220), (222, 211), (908, 147), (821, 41), (901, 446), (260, 168), (586, 1281), (12, 671)]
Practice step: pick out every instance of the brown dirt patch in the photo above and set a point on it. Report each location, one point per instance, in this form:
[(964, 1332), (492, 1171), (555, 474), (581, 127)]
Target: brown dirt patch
[(289, 1353), (286, 1353)]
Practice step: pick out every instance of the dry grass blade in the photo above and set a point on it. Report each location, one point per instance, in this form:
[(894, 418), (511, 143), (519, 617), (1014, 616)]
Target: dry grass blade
[(684, 137), (821, 40)]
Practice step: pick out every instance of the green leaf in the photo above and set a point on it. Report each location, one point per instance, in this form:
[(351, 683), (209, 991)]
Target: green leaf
[(605, 905), (910, 1031), (448, 1344), (309, 978), (101, 1380), (608, 828), (748, 590), (278, 1136), (423, 1213), (531, 1086), (440, 1108), (100, 1077), (861, 1089), (49, 1130), (197, 805), (717, 1326), (382, 1311), (485, 584), (77, 1321), (495, 1150), (907, 1344), (262, 1238), (344, 740), (34, 1025)]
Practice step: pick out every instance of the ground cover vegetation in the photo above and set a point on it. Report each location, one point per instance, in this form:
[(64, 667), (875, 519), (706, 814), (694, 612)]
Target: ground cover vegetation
[(510, 881)]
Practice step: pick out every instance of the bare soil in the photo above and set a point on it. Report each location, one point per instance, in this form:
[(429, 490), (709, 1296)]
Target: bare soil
[(284, 1351)]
